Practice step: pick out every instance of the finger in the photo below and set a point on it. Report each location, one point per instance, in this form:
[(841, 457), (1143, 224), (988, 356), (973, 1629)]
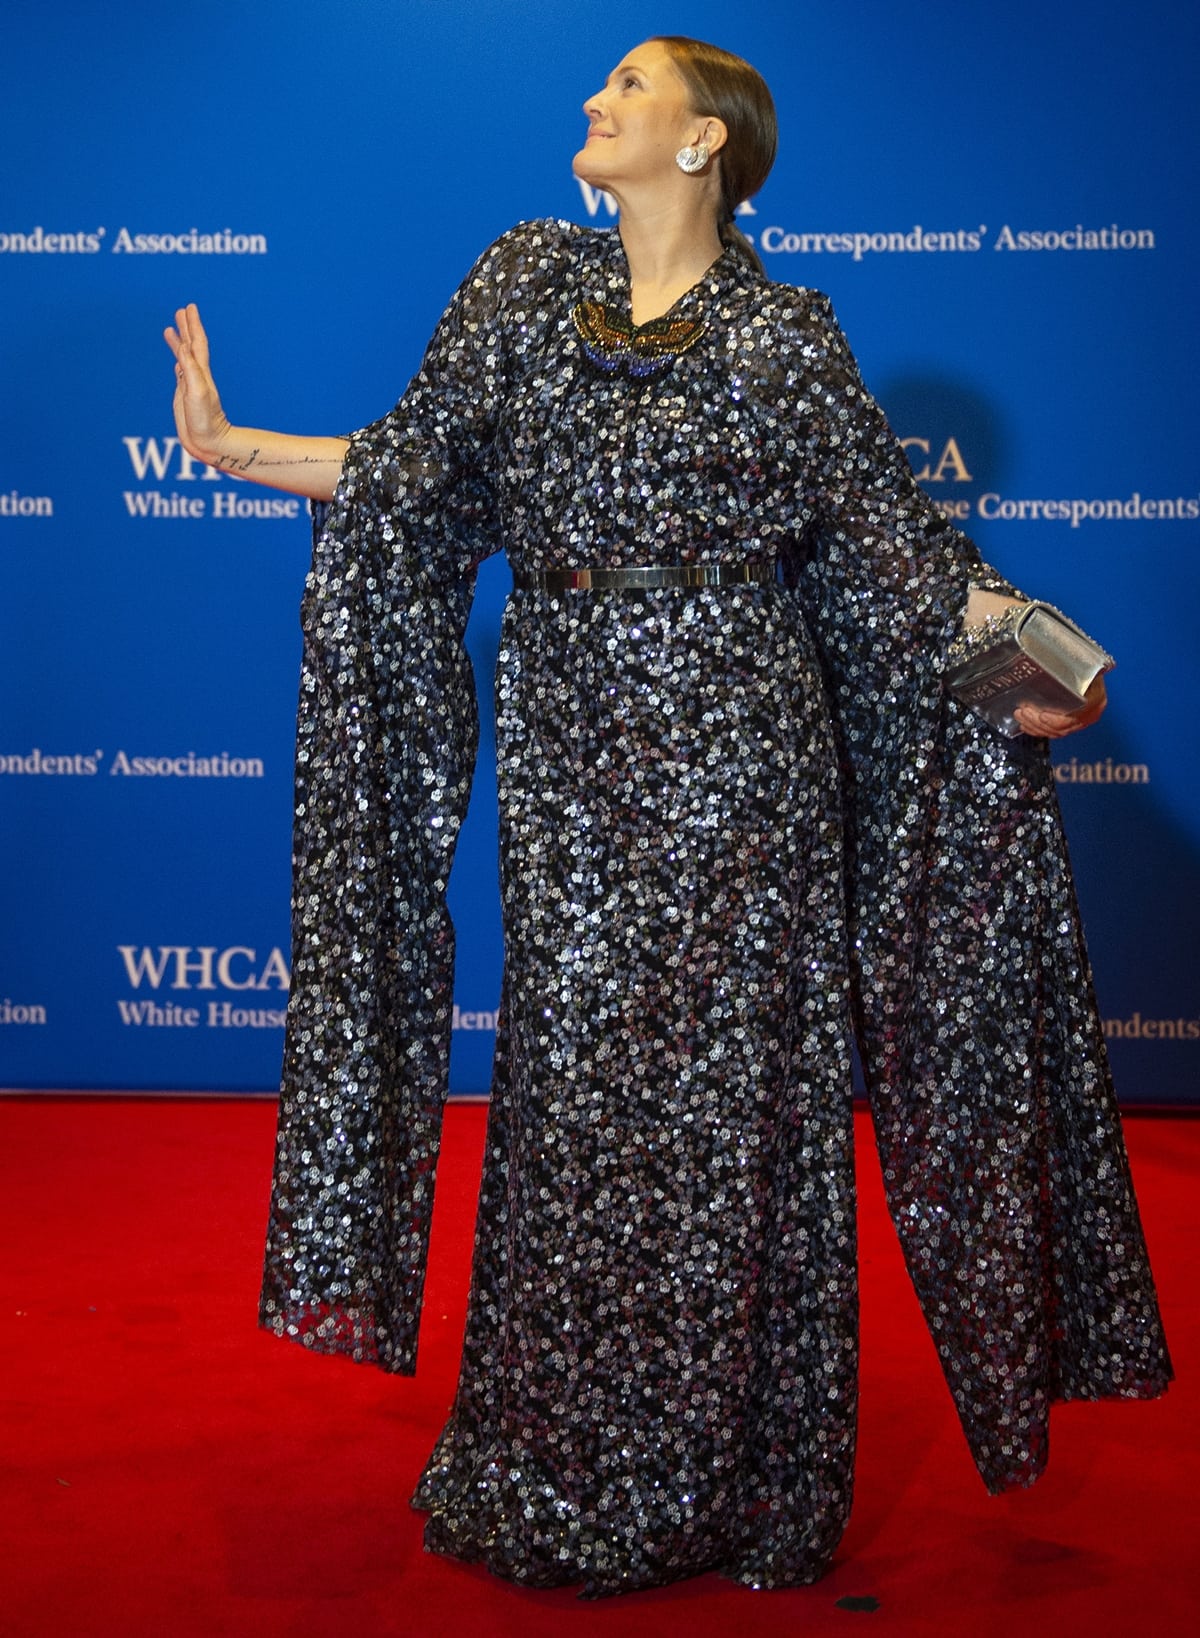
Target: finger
[(197, 335), (186, 372), (1053, 724), (183, 329), (1042, 724), (191, 370)]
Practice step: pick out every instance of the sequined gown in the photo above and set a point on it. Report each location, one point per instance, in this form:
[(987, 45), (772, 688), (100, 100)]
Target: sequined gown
[(738, 824)]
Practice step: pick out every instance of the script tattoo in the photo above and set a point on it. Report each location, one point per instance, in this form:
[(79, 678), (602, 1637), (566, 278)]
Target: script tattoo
[(231, 463)]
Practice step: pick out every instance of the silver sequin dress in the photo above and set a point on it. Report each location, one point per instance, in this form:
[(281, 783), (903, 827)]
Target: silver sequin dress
[(739, 825)]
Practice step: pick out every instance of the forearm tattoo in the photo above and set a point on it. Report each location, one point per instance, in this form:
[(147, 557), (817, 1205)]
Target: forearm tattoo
[(234, 463)]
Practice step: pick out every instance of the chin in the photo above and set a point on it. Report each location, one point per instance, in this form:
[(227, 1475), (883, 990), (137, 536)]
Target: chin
[(584, 165)]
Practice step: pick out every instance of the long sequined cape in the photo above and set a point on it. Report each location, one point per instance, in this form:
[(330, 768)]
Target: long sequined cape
[(739, 825)]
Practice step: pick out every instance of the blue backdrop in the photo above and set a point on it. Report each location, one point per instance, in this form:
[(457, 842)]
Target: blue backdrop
[(1002, 207)]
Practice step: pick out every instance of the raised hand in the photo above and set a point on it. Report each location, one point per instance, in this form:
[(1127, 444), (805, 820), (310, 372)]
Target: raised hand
[(301, 465), (202, 424)]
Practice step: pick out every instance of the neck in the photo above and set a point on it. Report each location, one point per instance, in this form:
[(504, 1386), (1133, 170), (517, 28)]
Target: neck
[(669, 248)]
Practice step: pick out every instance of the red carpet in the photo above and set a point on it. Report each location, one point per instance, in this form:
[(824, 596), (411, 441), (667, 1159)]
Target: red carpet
[(169, 1470)]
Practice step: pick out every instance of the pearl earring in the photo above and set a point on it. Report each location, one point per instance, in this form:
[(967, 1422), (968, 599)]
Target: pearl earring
[(691, 160)]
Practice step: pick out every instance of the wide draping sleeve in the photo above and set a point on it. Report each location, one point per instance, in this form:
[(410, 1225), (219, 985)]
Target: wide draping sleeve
[(978, 1030), (386, 742)]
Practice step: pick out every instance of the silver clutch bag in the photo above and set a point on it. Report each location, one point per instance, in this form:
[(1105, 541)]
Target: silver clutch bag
[(1029, 655)]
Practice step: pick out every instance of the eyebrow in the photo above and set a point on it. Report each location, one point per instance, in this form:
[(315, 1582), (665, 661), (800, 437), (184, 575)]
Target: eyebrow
[(625, 68)]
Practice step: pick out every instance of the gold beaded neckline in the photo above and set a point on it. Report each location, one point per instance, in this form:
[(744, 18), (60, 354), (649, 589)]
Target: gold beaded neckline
[(616, 346)]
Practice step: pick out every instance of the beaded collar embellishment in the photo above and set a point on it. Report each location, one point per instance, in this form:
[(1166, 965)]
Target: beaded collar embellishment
[(618, 347)]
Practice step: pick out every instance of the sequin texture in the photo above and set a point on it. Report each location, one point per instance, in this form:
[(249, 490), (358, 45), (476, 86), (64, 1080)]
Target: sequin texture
[(737, 823)]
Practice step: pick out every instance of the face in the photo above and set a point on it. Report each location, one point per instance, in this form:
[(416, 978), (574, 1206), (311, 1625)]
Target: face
[(637, 122)]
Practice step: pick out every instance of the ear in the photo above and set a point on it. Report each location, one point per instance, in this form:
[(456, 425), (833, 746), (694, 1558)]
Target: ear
[(714, 133)]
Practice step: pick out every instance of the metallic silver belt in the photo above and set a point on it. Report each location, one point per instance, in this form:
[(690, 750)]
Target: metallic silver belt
[(665, 574)]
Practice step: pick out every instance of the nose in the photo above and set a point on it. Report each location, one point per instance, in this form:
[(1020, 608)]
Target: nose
[(592, 106)]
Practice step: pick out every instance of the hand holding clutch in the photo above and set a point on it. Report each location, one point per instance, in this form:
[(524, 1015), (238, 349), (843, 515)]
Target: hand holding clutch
[(1045, 723), (1028, 669)]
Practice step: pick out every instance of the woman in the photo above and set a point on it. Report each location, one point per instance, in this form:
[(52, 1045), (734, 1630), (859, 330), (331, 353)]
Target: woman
[(738, 816)]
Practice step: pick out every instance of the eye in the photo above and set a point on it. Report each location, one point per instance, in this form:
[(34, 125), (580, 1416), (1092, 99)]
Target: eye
[(629, 79)]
